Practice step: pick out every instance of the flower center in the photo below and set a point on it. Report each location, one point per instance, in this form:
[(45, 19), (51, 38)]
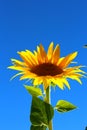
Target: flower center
[(46, 69)]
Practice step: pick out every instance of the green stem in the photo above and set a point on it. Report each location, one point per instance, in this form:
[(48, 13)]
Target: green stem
[(48, 95), (48, 101)]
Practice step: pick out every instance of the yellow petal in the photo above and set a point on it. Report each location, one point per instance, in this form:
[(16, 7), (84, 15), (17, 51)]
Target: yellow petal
[(58, 82), (78, 71), (31, 57), (74, 77), (50, 51), (67, 60), (60, 60), (28, 75), (18, 68), (24, 57), (43, 53), (37, 81), (18, 63), (39, 58), (78, 80), (36, 56), (74, 69), (66, 82), (56, 54)]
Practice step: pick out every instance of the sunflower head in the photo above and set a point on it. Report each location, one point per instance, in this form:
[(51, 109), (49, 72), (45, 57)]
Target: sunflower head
[(47, 67)]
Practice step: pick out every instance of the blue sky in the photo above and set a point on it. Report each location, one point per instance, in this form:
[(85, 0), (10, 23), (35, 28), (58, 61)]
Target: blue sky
[(23, 25)]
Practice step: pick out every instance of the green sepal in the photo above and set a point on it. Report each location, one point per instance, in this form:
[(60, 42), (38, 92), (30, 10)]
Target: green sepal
[(64, 106), (41, 112), (34, 91), (37, 127), (53, 85)]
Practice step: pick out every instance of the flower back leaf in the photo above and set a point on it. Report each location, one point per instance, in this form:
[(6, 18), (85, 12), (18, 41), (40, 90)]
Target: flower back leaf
[(34, 91), (64, 106)]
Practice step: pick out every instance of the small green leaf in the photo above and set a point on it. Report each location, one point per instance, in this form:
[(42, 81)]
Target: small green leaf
[(37, 127), (34, 91), (64, 106), (41, 112)]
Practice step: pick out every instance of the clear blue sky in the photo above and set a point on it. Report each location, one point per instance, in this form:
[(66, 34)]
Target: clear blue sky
[(23, 25)]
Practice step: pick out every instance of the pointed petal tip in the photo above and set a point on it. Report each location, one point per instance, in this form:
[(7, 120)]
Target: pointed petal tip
[(18, 52), (9, 67), (26, 50), (76, 53), (58, 44), (52, 42), (12, 59), (40, 45), (62, 88), (69, 88)]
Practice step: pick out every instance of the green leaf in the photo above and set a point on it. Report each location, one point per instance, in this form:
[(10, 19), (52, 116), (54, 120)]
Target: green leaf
[(37, 127), (34, 91), (64, 106), (41, 112)]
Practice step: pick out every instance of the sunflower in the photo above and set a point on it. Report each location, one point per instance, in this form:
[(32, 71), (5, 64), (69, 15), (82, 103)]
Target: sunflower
[(47, 68)]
